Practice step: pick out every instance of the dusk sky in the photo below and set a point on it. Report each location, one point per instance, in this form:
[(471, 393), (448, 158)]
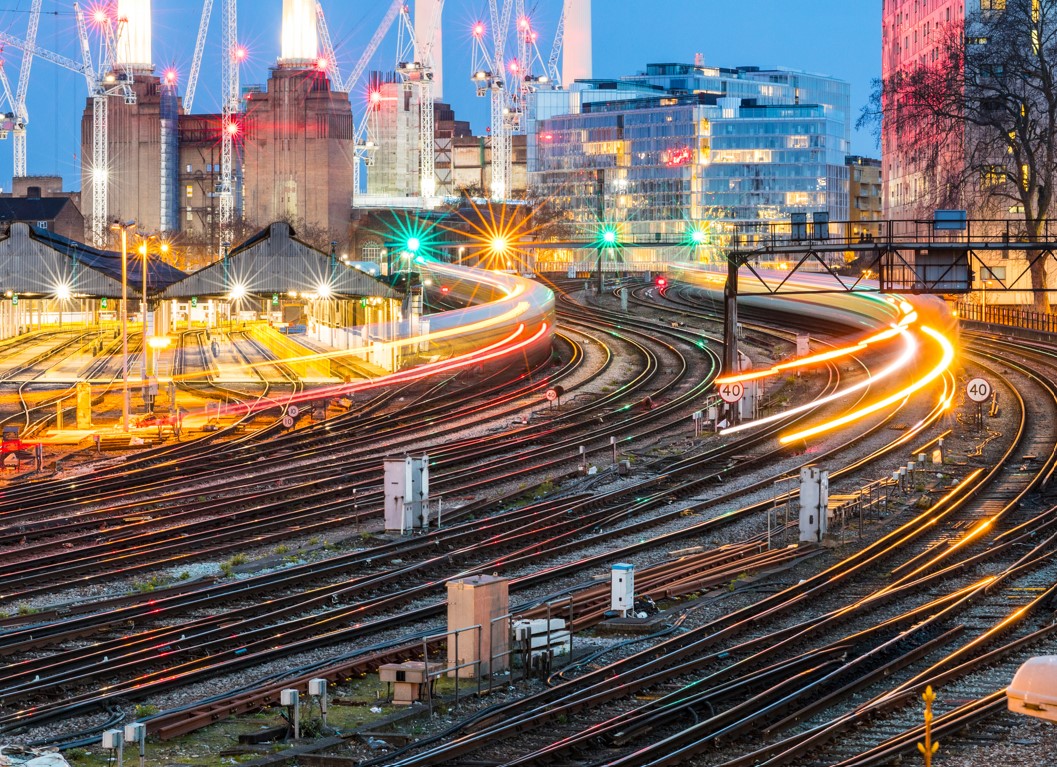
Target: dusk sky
[(834, 37)]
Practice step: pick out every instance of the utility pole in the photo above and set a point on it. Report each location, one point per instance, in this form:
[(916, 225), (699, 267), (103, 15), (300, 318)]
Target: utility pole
[(600, 196), (730, 329)]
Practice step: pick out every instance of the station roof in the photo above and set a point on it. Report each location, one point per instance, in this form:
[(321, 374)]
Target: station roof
[(160, 275), (36, 262), (275, 261)]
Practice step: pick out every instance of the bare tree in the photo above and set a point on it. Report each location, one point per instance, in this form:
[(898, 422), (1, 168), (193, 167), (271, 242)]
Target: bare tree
[(980, 120)]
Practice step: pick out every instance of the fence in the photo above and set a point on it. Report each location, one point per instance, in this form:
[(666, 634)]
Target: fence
[(1013, 316)]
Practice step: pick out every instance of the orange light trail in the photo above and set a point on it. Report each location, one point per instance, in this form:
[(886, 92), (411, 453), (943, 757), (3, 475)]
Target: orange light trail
[(833, 354), (932, 375), (904, 359)]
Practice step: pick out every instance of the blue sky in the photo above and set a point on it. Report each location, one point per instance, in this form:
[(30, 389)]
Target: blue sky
[(841, 38)]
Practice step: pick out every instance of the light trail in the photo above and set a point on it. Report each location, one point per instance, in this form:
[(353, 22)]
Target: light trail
[(909, 351), (885, 335), (932, 375)]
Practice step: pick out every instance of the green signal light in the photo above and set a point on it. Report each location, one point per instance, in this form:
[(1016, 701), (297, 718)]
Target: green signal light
[(698, 237), (413, 244)]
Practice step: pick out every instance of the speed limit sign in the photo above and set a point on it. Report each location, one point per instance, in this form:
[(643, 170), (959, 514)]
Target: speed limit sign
[(978, 390), (288, 421), (731, 392)]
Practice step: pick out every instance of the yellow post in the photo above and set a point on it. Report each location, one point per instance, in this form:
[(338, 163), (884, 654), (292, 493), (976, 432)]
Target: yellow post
[(928, 748)]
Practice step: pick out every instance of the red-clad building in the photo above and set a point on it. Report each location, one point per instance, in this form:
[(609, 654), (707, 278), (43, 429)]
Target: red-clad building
[(913, 33)]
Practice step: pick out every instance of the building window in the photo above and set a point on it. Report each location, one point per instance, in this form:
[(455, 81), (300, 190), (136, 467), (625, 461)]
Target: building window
[(190, 214), (992, 5), (42, 225), (190, 190), (189, 168)]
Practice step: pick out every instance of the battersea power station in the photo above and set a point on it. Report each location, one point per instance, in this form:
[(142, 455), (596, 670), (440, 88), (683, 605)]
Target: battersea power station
[(293, 141)]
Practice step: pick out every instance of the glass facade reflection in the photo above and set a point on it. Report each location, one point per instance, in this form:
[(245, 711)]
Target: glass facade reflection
[(681, 144)]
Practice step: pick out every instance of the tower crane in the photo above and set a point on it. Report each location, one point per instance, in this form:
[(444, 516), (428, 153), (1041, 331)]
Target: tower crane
[(231, 58), (7, 119), (553, 72), (417, 72), (490, 77), (366, 131), (524, 80), (103, 81), (372, 47), (21, 116), (196, 62), (329, 53)]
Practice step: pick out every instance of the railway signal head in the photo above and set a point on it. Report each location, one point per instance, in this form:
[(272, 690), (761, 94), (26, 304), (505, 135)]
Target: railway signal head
[(445, 289), (661, 282)]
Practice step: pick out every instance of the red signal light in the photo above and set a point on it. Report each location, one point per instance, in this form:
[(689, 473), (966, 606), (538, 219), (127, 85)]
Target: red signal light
[(661, 282), (445, 289)]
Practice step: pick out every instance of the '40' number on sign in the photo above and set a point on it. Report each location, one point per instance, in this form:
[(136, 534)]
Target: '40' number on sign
[(732, 392), (978, 390)]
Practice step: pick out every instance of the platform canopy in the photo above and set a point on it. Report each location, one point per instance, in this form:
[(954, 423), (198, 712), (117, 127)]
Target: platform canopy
[(274, 262), (36, 263)]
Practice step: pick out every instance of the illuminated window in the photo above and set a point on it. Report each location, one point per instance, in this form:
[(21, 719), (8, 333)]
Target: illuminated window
[(992, 5), (190, 191), (992, 176)]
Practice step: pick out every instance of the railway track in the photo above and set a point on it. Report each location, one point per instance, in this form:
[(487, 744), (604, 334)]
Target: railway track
[(607, 518)]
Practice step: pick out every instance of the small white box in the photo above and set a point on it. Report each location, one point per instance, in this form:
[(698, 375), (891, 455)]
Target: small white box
[(135, 732), (113, 739), (317, 688), (1033, 690), (289, 697)]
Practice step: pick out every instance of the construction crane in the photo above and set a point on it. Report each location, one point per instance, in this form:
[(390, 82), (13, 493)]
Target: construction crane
[(372, 47), (196, 63), (232, 57), (524, 80), (103, 81), (366, 131), (553, 72), (329, 54), (7, 119), (415, 67), (489, 75), (21, 115)]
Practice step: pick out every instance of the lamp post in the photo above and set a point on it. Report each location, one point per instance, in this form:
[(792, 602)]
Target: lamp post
[(146, 367), (116, 226)]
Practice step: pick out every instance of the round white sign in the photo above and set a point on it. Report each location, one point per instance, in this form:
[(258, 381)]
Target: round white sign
[(293, 411), (731, 392), (978, 390), (288, 421), (552, 395)]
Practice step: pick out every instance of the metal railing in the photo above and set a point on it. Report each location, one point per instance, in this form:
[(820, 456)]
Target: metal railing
[(1013, 316)]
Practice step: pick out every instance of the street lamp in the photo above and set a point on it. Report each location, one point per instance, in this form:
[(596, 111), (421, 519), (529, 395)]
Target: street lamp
[(146, 369), (123, 228)]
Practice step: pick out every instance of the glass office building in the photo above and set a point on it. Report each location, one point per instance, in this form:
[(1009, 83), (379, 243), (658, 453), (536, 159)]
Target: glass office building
[(683, 146)]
